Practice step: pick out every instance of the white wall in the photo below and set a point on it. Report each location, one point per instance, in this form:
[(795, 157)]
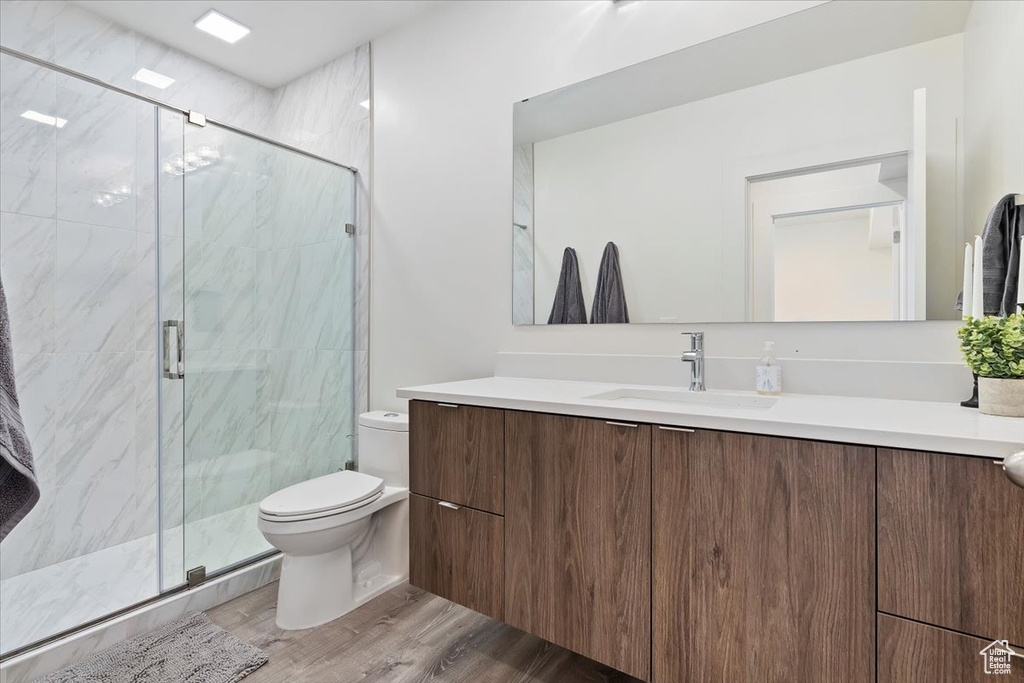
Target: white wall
[(658, 184), (994, 106), (444, 87), (851, 280)]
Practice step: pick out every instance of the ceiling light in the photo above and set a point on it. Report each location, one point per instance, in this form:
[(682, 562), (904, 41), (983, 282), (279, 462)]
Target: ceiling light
[(218, 25), (365, 103), (43, 118), (152, 78)]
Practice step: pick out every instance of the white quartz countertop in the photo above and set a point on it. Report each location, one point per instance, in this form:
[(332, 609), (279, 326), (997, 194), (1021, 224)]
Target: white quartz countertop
[(915, 425)]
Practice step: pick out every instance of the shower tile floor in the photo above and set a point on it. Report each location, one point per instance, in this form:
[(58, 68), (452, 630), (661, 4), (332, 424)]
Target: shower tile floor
[(52, 599)]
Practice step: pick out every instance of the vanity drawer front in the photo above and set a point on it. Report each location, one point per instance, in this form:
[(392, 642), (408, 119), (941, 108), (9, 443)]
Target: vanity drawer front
[(909, 652), (951, 543), (457, 453), (458, 553)]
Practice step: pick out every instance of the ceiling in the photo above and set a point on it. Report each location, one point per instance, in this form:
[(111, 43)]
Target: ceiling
[(814, 38), (288, 39)]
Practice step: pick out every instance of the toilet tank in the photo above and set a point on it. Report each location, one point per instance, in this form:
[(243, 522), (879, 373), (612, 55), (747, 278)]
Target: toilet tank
[(384, 446)]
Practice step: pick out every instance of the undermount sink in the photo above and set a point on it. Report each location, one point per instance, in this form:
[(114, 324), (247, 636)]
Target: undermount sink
[(711, 398)]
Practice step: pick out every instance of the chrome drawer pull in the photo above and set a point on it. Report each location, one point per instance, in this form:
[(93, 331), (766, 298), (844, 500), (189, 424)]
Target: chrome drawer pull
[(447, 405), (622, 424), (446, 504), (677, 429)]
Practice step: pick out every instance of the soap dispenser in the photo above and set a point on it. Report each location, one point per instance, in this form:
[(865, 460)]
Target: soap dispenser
[(768, 381)]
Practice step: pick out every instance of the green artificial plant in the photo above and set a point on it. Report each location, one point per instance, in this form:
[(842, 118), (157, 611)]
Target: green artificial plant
[(993, 346)]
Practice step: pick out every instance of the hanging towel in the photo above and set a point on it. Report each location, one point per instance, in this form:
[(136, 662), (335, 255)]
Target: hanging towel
[(19, 490), (609, 298), (1001, 256), (568, 308)]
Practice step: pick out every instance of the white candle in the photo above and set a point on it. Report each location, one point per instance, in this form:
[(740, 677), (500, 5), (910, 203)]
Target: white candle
[(1020, 275), (977, 300), (968, 288)]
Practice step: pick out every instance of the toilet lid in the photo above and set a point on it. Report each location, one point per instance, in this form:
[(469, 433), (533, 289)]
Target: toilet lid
[(339, 490)]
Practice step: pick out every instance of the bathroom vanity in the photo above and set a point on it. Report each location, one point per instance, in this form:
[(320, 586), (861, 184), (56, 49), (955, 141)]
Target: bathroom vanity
[(679, 538)]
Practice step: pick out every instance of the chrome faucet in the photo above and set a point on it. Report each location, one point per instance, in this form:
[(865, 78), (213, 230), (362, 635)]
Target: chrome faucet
[(695, 356)]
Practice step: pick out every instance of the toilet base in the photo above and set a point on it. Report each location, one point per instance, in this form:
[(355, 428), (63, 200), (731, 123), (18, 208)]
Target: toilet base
[(314, 589)]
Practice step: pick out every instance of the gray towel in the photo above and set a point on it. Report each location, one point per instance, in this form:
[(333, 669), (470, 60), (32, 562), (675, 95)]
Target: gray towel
[(1001, 256), (568, 307), (609, 298), (19, 490)]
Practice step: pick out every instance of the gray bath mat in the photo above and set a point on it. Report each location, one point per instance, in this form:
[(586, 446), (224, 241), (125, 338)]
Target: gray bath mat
[(189, 650)]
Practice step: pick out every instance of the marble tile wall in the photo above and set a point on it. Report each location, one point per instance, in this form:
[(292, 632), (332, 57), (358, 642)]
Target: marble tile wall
[(522, 236), (263, 405), (70, 255), (328, 112)]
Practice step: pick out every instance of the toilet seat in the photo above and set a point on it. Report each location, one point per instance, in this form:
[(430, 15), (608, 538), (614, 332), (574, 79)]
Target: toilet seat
[(326, 496)]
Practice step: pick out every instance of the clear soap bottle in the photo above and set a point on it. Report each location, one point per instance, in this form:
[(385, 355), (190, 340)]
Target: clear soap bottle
[(768, 381)]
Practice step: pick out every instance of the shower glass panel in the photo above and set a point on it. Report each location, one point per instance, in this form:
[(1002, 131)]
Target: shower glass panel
[(124, 229), (79, 263), (173, 419), (269, 301)]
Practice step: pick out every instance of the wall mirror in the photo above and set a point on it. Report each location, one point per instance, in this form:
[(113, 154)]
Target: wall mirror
[(825, 166)]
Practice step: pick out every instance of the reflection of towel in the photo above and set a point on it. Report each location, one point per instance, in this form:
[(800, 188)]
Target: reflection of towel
[(569, 307), (19, 490), (1001, 256), (609, 299)]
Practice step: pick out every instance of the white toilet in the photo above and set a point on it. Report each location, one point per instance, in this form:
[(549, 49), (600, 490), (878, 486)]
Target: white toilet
[(343, 536)]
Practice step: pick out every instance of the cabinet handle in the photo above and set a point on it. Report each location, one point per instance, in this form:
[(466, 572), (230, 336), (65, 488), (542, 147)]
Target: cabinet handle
[(621, 424), (446, 504), (677, 429), (447, 405), (1013, 466)]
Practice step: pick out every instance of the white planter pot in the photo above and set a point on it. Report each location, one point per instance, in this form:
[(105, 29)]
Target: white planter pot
[(1001, 396)]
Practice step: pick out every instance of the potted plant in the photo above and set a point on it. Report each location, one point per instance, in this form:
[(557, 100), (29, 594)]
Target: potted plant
[(994, 350)]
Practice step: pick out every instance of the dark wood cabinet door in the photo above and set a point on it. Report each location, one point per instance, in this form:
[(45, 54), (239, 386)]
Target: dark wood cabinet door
[(577, 536), (457, 553), (951, 543), (763, 559), (456, 453), (909, 652)]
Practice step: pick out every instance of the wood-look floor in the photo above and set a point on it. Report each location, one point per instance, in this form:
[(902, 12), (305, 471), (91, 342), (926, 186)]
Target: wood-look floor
[(405, 635)]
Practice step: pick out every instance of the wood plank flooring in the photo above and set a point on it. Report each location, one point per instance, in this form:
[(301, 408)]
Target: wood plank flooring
[(404, 636)]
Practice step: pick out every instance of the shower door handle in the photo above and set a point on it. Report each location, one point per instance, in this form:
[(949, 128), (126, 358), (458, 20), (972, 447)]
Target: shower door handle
[(174, 369)]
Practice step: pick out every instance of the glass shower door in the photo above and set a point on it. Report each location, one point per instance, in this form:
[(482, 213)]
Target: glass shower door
[(269, 301), (80, 257), (170, 212)]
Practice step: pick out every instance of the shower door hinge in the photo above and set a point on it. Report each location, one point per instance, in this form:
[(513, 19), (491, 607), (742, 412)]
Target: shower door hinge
[(196, 119), (350, 229), (896, 237), (196, 576)]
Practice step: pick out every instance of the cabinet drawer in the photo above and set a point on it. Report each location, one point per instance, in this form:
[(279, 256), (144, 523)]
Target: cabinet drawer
[(457, 453), (951, 543), (457, 553), (909, 652)]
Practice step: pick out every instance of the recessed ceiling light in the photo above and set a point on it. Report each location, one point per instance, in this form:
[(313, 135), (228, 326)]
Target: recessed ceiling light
[(218, 25), (152, 78), (365, 103), (44, 118)]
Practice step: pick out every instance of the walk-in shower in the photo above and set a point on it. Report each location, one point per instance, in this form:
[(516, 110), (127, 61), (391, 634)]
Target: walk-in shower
[(127, 228)]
